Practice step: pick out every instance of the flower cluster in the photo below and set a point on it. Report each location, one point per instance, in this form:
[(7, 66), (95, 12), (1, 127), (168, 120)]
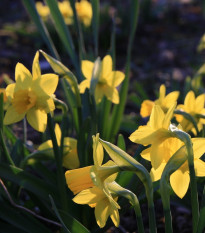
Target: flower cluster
[(83, 9)]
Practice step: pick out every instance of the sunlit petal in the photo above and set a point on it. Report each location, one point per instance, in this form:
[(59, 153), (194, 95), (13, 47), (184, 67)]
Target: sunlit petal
[(12, 116), (37, 119), (180, 182), (199, 166), (146, 108), (87, 69), (36, 71)]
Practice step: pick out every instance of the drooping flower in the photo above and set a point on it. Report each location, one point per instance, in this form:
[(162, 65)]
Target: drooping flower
[(155, 132), (108, 80), (192, 106), (70, 155), (180, 179), (31, 96), (84, 12), (91, 186), (164, 101)]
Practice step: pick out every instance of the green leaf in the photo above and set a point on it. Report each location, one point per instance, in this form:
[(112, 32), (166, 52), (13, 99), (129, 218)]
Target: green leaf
[(69, 223), (21, 220), (63, 31), (28, 181), (95, 23), (30, 6)]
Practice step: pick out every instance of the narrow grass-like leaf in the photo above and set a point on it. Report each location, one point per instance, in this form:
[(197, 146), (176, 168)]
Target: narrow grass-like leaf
[(69, 223), (81, 44), (28, 181), (95, 23), (30, 6), (63, 32), (121, 142), (119, 109)]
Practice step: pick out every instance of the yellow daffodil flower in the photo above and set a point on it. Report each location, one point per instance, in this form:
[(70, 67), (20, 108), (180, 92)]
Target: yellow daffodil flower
[(43, 10), (164, 101), (2, 90), (70, 155), (91, 185), (155, 132), (192, 106), (180, 179), (31, 96), (66, 11), (107, 82), (84, 12)]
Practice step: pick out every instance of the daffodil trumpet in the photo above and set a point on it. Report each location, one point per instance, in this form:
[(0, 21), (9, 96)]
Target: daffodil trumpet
[(118, 190)]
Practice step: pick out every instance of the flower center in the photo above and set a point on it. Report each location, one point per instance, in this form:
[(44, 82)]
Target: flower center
[(23, 100)]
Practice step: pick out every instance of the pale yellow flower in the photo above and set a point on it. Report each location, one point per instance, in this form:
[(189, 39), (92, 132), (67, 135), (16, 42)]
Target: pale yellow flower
[(91, 186), (155, 132), (31, 96), (164, 101), (84, 12), (66, 11), (43, 10), (107, 82), (192, 106), (180, 179), (70, 155)]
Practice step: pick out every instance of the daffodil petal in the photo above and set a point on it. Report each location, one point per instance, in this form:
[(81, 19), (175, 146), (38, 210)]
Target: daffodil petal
[(146, 108), (155, 155), (79, 179), (162, 91), (49, 83), (102, 213), (71, 160), (156, 174), (199, 166), (58, 134), (23, 77), (12, 116), (180, 182), (37, 119), (87, 69), (198, 147), (106, 66), (83, 85), (46, 145), (36, 71), (10, 90), (156, 117), (115, 78), (114, 214), (168, 116), (89, 196), (189, 101), (98, 153), (146, 154), (112, 94), (200, 100), (171, 98)]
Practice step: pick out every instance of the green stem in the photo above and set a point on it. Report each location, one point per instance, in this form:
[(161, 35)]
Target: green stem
[(24, 131), (193, 186), (116, 189), (58, 158), (5, 150)]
